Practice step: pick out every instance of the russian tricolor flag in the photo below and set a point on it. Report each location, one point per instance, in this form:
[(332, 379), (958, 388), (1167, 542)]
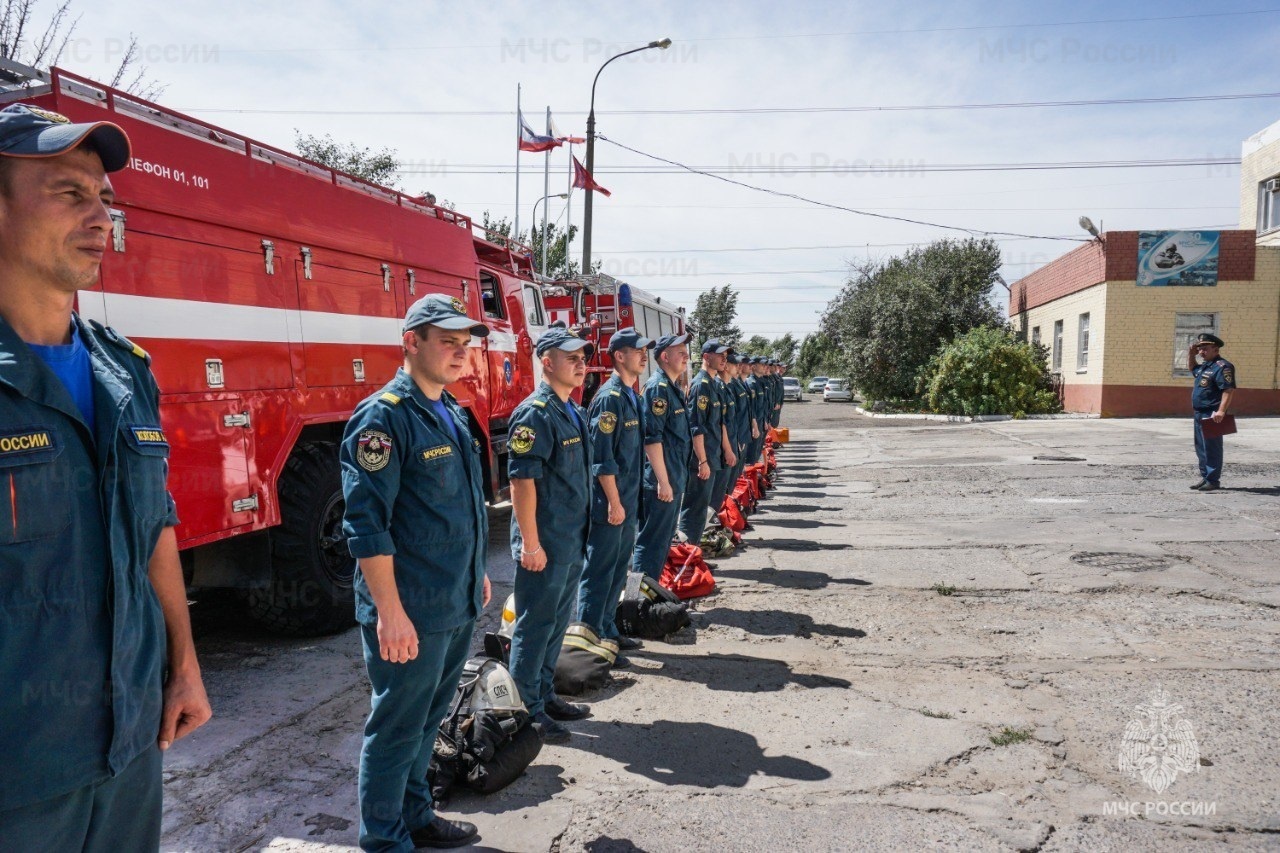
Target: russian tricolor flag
[(530, 141)]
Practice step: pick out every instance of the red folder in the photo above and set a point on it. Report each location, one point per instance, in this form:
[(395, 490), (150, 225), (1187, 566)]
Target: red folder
[(1210, 428)]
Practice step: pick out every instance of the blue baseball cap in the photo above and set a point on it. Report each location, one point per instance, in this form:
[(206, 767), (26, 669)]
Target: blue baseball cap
[(669, 341), (447, 312), (559, 337), (629, 338), (27, 131), (713, 345)]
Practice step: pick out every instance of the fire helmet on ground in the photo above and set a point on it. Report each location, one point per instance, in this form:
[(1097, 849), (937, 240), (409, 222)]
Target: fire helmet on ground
[(495, 690)]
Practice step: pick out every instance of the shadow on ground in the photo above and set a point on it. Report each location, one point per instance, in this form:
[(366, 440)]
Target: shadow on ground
[(698, 754), (777, 623), (789, 578), (739, 673)]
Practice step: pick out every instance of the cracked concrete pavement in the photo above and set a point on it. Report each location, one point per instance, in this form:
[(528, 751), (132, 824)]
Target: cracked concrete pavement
[(933, 640)]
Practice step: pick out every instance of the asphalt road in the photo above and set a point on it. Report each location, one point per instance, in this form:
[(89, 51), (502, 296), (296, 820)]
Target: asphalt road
[(935, 639)]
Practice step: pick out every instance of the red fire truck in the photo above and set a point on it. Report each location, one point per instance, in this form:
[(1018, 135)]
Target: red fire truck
[(269, 291), (601, 305)]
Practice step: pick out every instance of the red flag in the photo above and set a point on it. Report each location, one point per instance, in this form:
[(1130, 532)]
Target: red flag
[(530, 141), (582, 179)]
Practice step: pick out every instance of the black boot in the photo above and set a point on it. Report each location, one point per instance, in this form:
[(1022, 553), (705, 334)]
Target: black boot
[(442, 833)]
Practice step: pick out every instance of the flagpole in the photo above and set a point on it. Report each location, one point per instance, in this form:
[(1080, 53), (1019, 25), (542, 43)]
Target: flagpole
[(546, 192), (568, 213), (515, 228)]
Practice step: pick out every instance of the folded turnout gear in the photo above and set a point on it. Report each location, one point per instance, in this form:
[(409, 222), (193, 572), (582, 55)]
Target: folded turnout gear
[(585, 661), (486, 740), (649, 610), (717, 541)]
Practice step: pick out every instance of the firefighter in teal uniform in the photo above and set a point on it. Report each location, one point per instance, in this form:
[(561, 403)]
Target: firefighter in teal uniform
[(706, 420), (550, 471), (729, 421), (1214, 384), (416, 521), (668, 444), (759, 408), (98, 671), (742, 431), (617, 468)]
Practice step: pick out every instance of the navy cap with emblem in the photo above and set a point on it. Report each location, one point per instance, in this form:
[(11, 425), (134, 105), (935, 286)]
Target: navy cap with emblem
[(713, 345), (629, 338), (1206, 338), (558, 337), (447, 312), (669, 341), (27, 131)]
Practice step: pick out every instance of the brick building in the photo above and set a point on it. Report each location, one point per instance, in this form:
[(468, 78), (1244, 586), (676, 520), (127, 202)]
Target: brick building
[(1119, 345), (1121, 349)]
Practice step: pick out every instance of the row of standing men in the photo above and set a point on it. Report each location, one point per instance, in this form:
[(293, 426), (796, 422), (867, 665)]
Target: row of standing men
[(594, 493)]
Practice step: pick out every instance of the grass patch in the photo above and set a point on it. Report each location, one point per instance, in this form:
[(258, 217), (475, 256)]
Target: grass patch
[(1008, 735), (944, 589), (935, 715)]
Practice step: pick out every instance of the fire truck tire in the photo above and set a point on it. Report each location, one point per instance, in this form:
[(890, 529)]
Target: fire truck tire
[(310, 592)]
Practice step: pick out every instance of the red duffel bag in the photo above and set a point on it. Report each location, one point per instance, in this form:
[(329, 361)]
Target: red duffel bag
[(686, 573), (731, 516)]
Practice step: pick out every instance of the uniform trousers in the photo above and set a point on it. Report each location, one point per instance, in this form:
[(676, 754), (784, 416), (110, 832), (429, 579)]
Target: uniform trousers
[(693, 511), (1208, 450), (657, 526), (604, 574), (545, 604), (409, 702), (122, 813)]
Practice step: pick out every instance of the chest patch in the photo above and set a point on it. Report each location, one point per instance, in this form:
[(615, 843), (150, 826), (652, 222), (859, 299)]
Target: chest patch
[(522, 439), (1204, 381), (148, 436), (27, 441), (437, 452), (373, 450), (568, 441), (608, 422), (631, 424), (659, 407)]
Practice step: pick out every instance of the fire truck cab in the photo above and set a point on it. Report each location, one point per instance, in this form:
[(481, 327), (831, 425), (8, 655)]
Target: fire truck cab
[(269, 291)]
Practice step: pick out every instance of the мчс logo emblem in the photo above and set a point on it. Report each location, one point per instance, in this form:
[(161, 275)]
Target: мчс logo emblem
[(1158, 743), (374, 450)]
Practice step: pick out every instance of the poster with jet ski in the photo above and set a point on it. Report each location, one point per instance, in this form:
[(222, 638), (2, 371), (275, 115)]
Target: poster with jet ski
[(1177, 258)]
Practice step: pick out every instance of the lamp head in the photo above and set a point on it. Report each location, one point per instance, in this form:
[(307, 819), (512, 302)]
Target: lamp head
[(664, 44), (1087, 224)]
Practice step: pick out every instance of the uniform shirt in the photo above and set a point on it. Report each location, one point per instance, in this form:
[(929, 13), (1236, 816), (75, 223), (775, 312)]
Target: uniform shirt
[(740, 434), (666, 422), (416, 493), (759, 403), (706, 409), (70, 363), (82, 641), (547, 446), (617, 447), (1210, 380), (728, 415)]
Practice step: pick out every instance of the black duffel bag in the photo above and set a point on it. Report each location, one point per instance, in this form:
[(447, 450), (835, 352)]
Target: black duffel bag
[(585, 661)]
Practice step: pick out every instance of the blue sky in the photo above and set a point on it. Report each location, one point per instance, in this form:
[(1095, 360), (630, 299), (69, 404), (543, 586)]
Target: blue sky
[(263, 69)]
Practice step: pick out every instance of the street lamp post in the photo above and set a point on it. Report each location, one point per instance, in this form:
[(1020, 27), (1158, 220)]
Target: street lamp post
[(591, 148), (544, 227)]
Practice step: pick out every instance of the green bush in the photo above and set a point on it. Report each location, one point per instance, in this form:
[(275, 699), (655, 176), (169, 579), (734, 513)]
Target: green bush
[(989, 371)]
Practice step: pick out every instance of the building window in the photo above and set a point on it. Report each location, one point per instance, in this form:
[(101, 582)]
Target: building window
[(1269, 205), (1035, 335), (1082, 345), (1057, 346), (1185, 329)]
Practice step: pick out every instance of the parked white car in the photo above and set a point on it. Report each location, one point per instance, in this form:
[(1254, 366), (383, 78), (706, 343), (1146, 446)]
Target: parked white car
[(816, 384), (791, 389), (837, 390)]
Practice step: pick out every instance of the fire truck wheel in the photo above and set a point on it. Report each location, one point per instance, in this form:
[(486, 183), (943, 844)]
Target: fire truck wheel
[(310, 592)]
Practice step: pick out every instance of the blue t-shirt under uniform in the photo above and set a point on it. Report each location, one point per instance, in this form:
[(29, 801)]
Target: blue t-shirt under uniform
[(70, 363), (442, 412)]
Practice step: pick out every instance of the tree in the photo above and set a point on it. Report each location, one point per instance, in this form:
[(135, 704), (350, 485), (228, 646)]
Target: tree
[(757, 345), (714, 314), (19, 43), (784, 348), (892, 316), (989, 371), (376, 167), (818, 356)]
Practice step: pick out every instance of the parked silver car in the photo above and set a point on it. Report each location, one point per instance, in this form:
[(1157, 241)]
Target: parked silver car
[(837, 390), (816, 384), (791, 389)]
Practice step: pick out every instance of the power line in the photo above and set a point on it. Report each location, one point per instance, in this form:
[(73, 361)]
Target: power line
[(732, 111), (970, 231)]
